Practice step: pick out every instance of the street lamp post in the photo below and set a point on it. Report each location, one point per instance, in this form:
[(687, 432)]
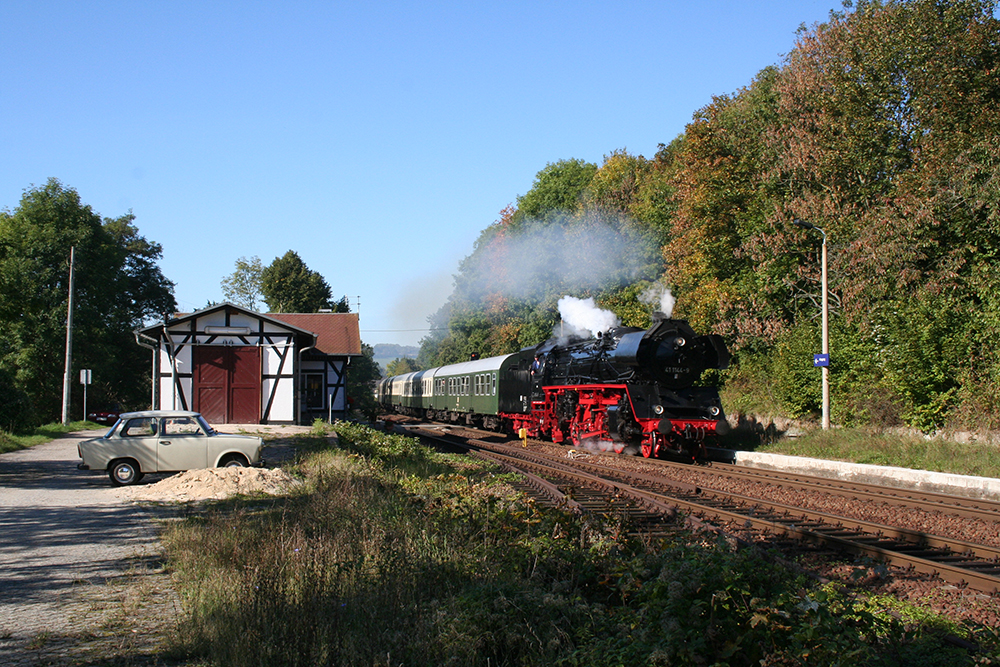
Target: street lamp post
[(826, 325)]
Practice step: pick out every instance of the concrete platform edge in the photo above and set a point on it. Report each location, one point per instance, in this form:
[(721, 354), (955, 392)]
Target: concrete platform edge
[(924, 480)]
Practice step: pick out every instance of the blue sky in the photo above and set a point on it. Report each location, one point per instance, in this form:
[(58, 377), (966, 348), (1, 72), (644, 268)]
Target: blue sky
[(376, 139)]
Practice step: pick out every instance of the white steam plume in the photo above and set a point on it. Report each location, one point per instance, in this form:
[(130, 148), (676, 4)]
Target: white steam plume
[(660, 298), (582, 317), (570, 259)]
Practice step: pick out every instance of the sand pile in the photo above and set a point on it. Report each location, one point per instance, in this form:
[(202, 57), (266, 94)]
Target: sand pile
[(214, 484)]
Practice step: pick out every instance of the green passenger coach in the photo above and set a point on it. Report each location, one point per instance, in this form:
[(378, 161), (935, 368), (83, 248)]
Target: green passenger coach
[(467, 392)]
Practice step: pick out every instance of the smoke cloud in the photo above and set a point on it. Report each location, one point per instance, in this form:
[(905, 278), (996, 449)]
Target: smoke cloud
[(555, 257), (660, 298), (583, 318)]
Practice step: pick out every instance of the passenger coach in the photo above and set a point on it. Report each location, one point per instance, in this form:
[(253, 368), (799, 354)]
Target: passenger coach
[(468, 392)]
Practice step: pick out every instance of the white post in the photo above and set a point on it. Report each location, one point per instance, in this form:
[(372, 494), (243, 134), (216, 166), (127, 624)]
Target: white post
[(67, 383), (826, 341), (826, 324)]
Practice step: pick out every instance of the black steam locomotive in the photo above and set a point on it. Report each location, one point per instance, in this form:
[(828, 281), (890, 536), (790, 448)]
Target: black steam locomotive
[(627, 389)]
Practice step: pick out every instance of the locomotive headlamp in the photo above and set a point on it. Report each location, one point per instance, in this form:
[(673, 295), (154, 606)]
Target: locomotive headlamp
[(680, 342), (714, 411), (657, 409)]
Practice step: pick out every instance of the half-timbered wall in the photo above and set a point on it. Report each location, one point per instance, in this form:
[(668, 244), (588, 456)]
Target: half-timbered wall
[(236, 365), (272, 361), (334, 384)]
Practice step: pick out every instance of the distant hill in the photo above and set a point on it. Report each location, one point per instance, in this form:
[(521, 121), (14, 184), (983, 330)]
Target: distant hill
[(386, 352)]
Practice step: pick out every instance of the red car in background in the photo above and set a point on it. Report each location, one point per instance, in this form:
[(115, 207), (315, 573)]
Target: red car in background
[(107, 416)]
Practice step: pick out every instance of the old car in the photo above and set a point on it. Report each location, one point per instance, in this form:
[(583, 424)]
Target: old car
[(165, 441), (105, 415)]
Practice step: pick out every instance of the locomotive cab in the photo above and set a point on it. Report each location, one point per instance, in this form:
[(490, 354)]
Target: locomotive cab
[(671, 353)]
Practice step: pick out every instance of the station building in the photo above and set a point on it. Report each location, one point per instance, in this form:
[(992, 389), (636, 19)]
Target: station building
[(238, 366)]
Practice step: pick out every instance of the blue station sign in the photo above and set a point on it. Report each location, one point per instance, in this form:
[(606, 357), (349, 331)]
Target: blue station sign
[(821, 360)]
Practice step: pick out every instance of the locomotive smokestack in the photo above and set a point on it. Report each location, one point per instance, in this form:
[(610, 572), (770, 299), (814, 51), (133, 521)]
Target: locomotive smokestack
[(659, 316)]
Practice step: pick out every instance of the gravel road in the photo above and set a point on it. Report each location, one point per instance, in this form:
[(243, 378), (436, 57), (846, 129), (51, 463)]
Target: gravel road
[(69, 545)]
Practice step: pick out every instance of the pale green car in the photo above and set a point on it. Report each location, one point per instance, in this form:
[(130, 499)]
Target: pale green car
[(165, 441)]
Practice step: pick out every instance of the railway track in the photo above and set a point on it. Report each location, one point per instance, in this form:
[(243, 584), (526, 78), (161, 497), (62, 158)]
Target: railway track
[(968, 507), (653, 500)]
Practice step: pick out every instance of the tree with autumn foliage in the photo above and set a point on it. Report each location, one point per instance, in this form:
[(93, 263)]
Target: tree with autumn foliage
[(882, 127)]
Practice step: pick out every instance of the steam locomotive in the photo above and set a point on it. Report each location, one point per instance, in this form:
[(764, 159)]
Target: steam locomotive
[(628, 389)]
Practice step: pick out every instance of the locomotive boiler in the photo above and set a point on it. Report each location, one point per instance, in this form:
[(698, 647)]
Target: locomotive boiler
[(628, 389)]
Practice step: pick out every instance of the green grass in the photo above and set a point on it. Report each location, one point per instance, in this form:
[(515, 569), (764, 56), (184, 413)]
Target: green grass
[(887, 449), (10, 442), (392, 554)]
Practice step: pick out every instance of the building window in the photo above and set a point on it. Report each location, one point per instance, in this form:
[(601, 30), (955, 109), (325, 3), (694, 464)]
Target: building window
[(314, 391)]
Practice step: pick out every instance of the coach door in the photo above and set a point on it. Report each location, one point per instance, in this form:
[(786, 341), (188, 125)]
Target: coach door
[(227, 384)]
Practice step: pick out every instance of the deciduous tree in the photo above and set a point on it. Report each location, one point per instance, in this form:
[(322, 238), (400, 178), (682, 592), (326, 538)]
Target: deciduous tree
[(289, 286), (400, 366), (118, 287), (243, 286)]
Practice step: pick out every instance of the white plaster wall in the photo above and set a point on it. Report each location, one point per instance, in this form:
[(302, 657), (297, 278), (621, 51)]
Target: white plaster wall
[(165, 396), (340, 401), (282, 408), (241, 320), (183, 359), (270, 361)]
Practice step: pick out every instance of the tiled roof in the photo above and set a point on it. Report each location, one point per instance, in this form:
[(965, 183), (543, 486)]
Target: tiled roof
[(336, 333)]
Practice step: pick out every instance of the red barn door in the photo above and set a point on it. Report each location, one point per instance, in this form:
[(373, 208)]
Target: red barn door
[(227, 384)]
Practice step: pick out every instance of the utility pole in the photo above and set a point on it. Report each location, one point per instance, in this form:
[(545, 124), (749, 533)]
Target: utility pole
[(824, 360), (67, 384)]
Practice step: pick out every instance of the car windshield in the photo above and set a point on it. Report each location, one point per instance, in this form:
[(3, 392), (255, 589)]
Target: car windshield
[(112, 429), (205, 425)]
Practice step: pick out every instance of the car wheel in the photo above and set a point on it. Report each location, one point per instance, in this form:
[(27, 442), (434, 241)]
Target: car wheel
[(233, 462), (124, 472)]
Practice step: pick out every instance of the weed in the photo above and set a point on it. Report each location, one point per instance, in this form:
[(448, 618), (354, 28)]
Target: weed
[(39, 641), (394, 554)]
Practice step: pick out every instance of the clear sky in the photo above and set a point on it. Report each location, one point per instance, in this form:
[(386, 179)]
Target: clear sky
[(376, 139)]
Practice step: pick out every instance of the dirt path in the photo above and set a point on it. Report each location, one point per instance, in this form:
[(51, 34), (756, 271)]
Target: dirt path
[(70, 551)]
